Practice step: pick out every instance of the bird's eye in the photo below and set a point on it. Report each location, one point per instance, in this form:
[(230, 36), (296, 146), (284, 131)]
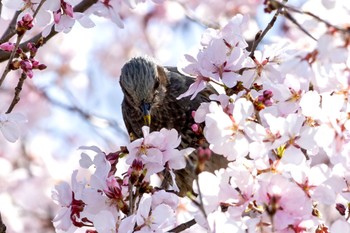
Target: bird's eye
[(156, 85)]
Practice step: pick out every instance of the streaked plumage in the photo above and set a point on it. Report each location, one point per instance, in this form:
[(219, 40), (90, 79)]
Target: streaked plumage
[(151, 88)]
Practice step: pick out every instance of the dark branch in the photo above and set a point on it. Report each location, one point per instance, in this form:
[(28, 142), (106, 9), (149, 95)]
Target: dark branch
[(81, 7), (2, 226), (183, 226), (268, 28), (18, 90), (11, 57)]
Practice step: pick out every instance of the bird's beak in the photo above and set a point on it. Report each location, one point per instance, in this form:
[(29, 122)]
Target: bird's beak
[(146, 107)]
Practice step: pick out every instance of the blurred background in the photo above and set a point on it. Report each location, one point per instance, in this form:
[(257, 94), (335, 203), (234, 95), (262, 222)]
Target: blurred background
[(76, 100)]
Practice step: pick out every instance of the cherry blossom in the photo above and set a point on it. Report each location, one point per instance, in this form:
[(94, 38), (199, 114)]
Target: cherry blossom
[(284, 202), (11, 124), (71, 205), (156, 218), (220, 58), (224, 130), (157, 150)]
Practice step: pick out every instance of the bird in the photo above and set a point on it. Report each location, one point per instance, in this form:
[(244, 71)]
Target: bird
[(150, 98)]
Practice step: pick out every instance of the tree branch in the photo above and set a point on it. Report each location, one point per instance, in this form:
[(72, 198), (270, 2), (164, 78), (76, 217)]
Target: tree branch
[(81, 7), (0, 15), (183, 226), (18, 90), (2, 226), (11, 57)]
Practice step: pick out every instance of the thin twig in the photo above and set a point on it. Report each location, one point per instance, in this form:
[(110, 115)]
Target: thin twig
[(190, 15), (183, 226), (268, 28), (293, 20), (18, 90), (81, 7), (9, 62), (200, 204), (346, 30)]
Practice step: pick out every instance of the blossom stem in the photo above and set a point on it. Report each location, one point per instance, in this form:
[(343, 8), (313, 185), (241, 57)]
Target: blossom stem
[(216, 82), (201, 205), (131, 199)]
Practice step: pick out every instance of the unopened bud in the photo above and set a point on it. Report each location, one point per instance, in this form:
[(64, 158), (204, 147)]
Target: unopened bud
[(193, 113), (195, 128), (341, 208), (15, 65), (42, 67), (7, 46)]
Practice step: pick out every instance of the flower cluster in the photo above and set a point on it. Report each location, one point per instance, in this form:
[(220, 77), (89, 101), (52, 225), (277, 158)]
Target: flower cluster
[(281, 120), (108, 203), (22, 61), (220, 58), (284, 125)]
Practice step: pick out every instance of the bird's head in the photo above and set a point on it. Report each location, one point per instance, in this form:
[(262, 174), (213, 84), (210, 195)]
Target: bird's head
[(144, 85)]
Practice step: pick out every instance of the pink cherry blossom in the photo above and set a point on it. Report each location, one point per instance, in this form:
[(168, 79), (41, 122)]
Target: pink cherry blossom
[(284, 201), (157, 150), (69, 198), (224, 130), (154, 219), (220, 58)]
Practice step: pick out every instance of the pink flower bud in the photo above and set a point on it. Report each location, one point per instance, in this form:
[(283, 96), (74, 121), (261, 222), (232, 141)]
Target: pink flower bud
[(28, 18), (57, 16), (26, 65), (67, 8), (268, 94), (195, 127), (193, 113), (7, 46), (267, 102)]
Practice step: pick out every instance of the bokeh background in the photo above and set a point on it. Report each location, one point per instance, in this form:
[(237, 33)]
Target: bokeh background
[(76, 100)]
